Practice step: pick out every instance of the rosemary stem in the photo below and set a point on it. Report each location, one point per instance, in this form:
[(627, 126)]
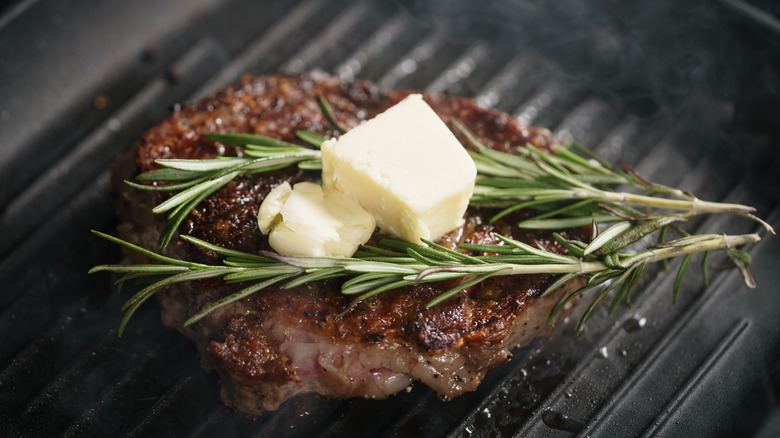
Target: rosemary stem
[(569, 268), (694, 206), (719, 242), (648, 256)]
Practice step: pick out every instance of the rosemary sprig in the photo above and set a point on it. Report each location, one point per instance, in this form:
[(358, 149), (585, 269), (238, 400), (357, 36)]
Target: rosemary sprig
[(397, 264), (197, 179), (572, 187)]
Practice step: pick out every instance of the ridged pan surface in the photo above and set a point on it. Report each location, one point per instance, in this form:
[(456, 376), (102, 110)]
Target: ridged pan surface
[(689, 93)]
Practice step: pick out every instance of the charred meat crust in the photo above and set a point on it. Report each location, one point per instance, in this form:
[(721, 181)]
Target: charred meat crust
[(277, 343)]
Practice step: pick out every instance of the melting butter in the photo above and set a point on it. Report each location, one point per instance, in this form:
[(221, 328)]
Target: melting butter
[(406, 168), (304, 220)]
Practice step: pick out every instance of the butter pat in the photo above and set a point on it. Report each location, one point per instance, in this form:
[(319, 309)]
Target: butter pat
[(406, 168), (304, 220)]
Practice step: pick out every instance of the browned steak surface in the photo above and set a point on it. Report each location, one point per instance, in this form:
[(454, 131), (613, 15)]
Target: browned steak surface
[(278, 343)]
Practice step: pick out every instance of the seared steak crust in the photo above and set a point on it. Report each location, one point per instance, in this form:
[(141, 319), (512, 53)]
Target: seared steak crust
[(277, 343)]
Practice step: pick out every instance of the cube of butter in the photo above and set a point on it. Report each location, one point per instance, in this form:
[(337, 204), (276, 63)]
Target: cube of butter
[(306, 221), (406, 168)]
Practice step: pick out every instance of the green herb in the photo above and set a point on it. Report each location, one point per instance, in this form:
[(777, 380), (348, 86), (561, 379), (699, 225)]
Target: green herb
[(397, 264), (327, 112), (195, 180), (198, 179), (572, 186)]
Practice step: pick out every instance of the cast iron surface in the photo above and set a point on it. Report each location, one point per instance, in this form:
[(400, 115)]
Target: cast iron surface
[(688, 93)]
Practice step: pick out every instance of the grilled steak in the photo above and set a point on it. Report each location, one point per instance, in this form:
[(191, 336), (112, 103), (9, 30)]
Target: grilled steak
[(278, 343)]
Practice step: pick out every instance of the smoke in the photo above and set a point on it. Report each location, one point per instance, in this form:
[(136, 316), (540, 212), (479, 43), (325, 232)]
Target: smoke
[(698, 70)]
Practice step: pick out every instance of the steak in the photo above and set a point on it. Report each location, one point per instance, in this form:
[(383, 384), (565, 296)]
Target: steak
[(278, 343)]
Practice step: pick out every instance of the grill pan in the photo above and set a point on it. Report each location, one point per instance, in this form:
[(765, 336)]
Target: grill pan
[(688, 93)]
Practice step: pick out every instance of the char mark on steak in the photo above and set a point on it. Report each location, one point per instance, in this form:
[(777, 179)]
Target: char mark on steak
[(277, 343)]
